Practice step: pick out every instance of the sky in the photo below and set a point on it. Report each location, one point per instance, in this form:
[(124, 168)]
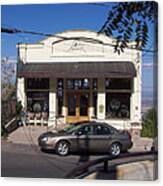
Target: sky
[(53, 18)]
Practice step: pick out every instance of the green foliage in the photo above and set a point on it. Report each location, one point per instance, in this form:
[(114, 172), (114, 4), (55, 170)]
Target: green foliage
[(129, 21), (150, 124), (19, 107)]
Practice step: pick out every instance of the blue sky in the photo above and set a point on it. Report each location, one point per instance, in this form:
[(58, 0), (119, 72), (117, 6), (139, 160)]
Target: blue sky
[(57, 18)]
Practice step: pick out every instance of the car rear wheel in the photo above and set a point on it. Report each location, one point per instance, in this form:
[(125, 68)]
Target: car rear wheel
[(115, 149), (62, 148)]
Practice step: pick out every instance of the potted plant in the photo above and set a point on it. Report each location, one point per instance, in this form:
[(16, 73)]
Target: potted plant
[(37, 110)]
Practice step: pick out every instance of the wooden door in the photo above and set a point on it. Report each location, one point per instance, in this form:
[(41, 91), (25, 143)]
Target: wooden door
[(77, 107)]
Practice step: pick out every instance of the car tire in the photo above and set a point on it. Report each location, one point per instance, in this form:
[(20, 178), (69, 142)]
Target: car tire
[(62, 148), (115, 149)]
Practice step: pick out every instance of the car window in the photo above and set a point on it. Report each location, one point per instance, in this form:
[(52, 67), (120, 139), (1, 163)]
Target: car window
[(72, 129), (85, 130), (101, 130)]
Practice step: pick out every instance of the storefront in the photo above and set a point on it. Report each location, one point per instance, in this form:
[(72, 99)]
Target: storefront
[(76, 76)]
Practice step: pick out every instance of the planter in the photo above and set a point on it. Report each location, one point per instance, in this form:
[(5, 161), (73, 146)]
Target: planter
[(45, 115), (31, 115), (38, 115)]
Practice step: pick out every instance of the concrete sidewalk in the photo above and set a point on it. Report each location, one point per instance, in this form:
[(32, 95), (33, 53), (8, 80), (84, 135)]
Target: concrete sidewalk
[(29, 135)]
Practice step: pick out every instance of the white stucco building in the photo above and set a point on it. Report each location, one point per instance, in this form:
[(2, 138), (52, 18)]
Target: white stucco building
[(77, 76)]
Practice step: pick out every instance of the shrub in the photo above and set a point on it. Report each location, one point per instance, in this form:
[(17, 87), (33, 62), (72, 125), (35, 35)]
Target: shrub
[(149, 124)]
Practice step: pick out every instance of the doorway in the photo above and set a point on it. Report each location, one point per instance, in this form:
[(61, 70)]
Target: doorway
[(77, 107)]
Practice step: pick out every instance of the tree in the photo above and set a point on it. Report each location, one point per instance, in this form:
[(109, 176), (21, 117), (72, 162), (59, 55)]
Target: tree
[(149, 124), (8, 89), (8, 74), (128, 21)]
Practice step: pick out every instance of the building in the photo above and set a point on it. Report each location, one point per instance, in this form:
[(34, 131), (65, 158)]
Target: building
[(76, 76)]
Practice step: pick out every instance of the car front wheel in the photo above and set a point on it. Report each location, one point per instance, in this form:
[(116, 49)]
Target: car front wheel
[(62, 148), (115, 149)]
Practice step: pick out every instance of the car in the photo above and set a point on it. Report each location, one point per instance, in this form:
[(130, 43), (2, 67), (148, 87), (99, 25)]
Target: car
[(91, 137)]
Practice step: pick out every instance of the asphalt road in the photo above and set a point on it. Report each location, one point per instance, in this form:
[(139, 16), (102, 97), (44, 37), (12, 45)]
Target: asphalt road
[(19, 160)]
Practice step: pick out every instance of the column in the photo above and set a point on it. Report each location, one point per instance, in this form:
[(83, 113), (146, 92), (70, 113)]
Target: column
[(101, 99), (52, 103), (91, 108), (64, 99), (21, 96)]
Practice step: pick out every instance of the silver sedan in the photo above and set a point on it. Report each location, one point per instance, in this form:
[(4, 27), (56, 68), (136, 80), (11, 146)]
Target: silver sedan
[(91, 137)]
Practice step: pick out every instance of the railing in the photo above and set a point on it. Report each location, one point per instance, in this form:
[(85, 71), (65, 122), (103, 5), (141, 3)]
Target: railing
[(84, 169), (8, 116)]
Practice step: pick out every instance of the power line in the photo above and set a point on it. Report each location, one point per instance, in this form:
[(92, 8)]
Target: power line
[(92, 40)]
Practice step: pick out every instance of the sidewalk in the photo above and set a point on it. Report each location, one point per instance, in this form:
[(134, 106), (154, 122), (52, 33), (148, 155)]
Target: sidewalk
[(28, 134)]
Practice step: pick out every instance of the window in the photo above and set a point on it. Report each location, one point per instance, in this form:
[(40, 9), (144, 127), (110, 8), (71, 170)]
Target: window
[(37, 83), (60, 93), (118, 92), (77, 84), (101, 130), (94, 94), (117, 83), (85, 130), (95, 103), (37, 94), (117, 105), (37, 101), (94, 84)]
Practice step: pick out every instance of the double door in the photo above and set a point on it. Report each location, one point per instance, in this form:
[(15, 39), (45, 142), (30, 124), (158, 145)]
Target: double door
[(77, 107)]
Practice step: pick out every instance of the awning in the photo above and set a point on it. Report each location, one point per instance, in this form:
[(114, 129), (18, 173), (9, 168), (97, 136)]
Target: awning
[(77, 70)]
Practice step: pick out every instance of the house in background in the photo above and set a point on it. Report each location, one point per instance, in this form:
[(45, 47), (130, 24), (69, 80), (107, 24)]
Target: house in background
[(76, 76)]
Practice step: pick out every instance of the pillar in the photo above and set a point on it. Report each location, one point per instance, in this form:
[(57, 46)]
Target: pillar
[(101, 99), (91, 108), (64, 99), (21, 96), (52, 102)]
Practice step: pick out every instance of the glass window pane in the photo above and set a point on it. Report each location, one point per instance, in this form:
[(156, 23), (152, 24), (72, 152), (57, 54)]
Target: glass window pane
[(85, 83), (94, 84), (70, 84), (117, 105), (37, 83), (72, 105), (84, 105), (38, 101), (101, 130), (118, 83)]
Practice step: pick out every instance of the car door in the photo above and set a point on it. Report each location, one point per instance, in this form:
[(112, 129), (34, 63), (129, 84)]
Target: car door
[(83, 138), (101, 138)]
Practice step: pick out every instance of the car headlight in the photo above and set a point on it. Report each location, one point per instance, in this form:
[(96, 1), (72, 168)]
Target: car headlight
[(45, 139)]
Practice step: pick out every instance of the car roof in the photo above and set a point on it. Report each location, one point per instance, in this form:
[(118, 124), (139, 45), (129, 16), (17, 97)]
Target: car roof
[(95, 123)]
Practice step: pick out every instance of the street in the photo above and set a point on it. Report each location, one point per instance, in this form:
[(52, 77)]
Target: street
[(19, 160)]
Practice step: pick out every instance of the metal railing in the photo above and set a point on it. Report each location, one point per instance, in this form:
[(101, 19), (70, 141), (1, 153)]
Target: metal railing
[(86, 168)]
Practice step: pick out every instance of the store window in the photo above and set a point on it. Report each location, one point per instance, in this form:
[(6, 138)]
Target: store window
[(37, 83), (118, 92), (117, 105), (37, 94), (117, 83), (78, 84)]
